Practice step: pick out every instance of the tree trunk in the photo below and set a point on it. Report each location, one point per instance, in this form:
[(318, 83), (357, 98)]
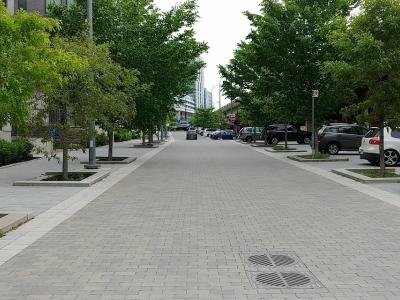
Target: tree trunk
[(110, 134), (143, 137), (151, 136), (162, 133), (64, 142), (64, 145), (382, 149), (265, 136), (286, 141)]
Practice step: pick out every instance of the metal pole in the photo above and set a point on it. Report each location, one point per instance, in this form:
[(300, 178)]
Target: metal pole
[(313, 126), (92, 127)]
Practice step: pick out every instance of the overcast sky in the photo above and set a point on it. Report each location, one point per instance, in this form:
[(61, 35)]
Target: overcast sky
[(222, 25)]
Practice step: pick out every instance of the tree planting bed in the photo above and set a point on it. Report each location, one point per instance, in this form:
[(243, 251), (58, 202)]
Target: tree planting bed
[(369, 175), (82, 178), (103, 160), (317, 158)]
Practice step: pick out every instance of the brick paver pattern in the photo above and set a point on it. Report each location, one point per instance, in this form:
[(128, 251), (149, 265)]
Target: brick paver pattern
[(180, 227)]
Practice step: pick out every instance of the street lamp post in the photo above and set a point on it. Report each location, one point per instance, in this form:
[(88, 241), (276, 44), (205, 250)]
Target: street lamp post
[(92, 127), (219, 92), (315, 94)]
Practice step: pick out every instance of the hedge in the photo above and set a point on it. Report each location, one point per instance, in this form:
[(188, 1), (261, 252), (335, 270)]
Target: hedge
[(12, 152), (123, 136)]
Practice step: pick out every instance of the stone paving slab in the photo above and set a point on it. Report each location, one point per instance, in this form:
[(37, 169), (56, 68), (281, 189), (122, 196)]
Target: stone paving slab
[(177, 229)]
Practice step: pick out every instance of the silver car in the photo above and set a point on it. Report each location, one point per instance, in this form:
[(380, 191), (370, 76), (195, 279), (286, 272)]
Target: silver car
[(191, 134)]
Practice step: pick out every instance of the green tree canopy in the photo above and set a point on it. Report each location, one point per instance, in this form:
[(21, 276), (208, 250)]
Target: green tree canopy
[(26, 63), (368, 65)]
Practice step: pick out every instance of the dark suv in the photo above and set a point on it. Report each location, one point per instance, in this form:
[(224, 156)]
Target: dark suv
[(338, 137), (276, 134)]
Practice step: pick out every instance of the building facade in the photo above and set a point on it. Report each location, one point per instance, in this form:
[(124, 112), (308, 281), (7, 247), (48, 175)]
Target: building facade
[(186, 108), (208, 99)]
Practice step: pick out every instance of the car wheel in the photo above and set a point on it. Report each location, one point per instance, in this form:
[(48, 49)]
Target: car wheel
[(274, 141), (391, 157), (307, 141), (333, 149), (248, 139)]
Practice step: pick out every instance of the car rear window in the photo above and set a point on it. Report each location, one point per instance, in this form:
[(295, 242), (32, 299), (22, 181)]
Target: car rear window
[(372, 133)]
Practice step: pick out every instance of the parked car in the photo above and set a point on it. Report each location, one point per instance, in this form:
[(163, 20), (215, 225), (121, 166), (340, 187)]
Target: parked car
[(339, 137), (223, 135), (369, 149), (246, 134), (276, 134), (209, 131), (191, 134)]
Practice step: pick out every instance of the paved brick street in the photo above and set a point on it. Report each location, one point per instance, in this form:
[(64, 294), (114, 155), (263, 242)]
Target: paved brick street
[(184, 225)]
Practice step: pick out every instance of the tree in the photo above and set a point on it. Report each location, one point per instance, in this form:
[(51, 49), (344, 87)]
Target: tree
[(369, 64), (26, 63), (87, 93), (279, 63), (118, 86), (161, 45), (203, 117)]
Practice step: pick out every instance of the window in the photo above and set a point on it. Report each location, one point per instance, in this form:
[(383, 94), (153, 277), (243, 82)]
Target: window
[(22, 4), (362, 131), (372, 133), (332, 129), (396, 134), (348, 130)]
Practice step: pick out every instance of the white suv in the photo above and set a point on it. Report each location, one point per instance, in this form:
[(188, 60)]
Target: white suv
[(369, 149)]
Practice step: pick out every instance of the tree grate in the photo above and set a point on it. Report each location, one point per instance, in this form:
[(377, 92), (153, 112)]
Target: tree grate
[(271, 260), (284, 280)]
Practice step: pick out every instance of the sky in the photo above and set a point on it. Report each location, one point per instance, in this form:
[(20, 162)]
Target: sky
[(222, 25)]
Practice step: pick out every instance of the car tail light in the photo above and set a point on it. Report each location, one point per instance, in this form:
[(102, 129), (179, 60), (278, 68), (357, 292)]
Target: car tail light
[(321, 136), (375, 141)]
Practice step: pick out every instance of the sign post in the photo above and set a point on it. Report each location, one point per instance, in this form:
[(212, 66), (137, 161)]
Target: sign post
[(315, 94)]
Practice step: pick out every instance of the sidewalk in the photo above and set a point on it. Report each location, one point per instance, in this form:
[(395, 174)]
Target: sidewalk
[(36, 200)]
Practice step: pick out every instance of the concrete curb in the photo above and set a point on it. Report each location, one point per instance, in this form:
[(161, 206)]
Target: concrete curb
[(87, 182), (126, 161), (146, 146), (13, 220), (301, 159), (348, 173), (285, 151)]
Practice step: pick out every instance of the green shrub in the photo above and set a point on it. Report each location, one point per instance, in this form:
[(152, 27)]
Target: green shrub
[(1, 233), (12, 152), (101, 140), (123, 136)]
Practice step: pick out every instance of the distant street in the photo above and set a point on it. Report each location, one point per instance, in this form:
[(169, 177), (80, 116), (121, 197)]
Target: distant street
[(186, 223)]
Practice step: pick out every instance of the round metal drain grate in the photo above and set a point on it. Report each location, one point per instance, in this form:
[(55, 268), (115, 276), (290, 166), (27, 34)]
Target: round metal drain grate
[(282, 260), (284, 280), (272, 279), (263, 260), (271, 260), (296, 279)]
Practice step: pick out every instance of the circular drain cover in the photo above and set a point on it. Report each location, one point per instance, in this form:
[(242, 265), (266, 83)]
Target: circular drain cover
[(283, 279), (296, 279), (272, 279), (263, 260), (282, 260), (271, 260)]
